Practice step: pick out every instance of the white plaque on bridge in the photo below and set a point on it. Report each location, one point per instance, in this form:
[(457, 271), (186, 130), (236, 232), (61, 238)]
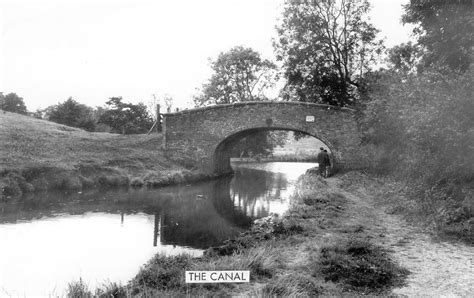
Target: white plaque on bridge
[(309, 118)]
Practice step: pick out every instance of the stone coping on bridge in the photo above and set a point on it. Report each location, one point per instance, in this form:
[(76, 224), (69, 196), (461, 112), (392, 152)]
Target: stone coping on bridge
[(248, 103)]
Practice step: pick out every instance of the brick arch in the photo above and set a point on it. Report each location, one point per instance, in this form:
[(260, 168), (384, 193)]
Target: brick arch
[(221, 156), (204, 133)]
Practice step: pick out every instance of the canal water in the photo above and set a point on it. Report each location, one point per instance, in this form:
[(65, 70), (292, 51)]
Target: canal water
[(49, 240)]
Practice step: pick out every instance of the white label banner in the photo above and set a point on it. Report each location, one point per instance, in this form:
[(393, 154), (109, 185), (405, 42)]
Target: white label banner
[(217, 276)]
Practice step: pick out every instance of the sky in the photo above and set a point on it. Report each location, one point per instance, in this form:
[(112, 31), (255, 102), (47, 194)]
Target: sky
[(92, 50)]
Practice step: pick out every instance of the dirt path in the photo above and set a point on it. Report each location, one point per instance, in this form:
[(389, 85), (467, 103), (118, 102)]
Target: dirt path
[(437, 268)]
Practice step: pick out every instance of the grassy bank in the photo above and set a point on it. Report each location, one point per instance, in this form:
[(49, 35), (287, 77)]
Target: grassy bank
[(38, 155), (317, 248)]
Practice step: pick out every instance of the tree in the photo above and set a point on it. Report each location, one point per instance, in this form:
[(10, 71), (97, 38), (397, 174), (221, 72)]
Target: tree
[(326, 47), (168, 101), (445, 30), (12, 103), (72, 113), (260, 142), (404, 57), (239, 75), (126, 118)]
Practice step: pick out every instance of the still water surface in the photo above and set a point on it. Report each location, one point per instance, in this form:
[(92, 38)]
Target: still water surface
[(49, 240)]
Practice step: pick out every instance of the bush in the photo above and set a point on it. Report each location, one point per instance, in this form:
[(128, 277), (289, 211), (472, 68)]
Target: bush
[(72, 113)]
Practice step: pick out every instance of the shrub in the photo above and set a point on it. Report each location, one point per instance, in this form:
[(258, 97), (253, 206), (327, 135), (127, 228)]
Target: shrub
[(72, 113)]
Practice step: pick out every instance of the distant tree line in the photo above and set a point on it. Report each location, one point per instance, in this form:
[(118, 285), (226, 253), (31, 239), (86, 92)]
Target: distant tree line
[(116, 117)]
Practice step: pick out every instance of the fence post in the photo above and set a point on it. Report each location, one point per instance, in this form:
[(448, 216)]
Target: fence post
[(158, 118)]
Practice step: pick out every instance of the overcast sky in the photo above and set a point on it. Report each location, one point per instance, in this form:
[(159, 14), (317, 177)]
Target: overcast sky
[(95, 49)]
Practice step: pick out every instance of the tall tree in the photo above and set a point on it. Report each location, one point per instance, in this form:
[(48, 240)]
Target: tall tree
[(445, 29), (240, 74), (12, 103), (326, 47)]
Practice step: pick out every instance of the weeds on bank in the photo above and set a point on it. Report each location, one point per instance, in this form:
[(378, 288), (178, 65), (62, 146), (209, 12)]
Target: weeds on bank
[(164, 272), (113, 289), (79, 289)]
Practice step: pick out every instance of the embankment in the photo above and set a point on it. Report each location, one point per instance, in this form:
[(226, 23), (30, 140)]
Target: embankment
[(38, 155)]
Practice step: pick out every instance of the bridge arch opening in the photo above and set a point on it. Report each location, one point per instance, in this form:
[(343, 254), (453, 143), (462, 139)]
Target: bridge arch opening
[(224, 151)]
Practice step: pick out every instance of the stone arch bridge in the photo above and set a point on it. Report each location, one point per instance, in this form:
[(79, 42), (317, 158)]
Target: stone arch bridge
[(207, 134)]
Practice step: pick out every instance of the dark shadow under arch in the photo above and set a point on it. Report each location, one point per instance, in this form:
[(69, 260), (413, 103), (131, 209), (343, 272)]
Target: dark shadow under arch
[(222, 152)]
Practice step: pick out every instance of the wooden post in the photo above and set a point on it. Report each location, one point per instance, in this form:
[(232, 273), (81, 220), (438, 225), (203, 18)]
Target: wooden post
[(158, 118), (156, 230)]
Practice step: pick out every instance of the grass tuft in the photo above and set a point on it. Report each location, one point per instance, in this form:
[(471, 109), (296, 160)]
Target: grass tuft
[(287, 229), (291, 285), (78, 289), (164, 272), (112, 290), (357, 263), (261, 261)]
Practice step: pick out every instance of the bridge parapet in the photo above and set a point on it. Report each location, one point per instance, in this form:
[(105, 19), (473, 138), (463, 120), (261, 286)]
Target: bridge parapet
[(252, 103)]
